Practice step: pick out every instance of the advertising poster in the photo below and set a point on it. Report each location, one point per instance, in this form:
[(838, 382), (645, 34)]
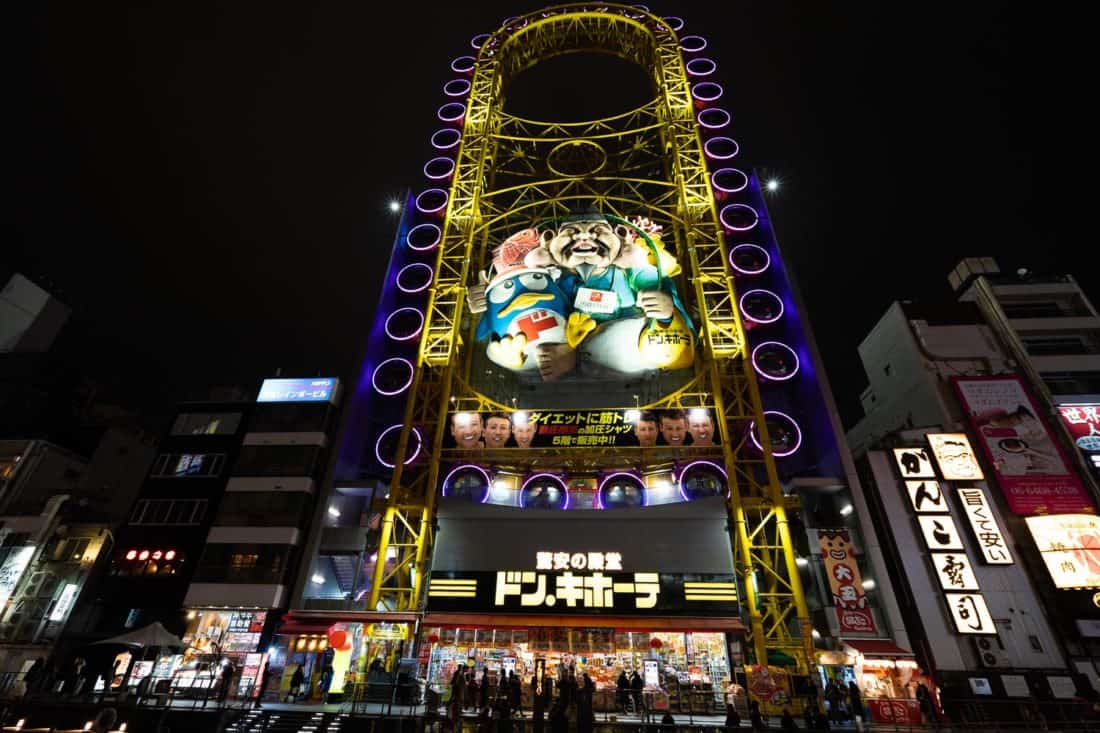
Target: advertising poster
[(1083, 423), (1070, 547), (1028, 463), (771, 686), (896, 712), (845, 582)]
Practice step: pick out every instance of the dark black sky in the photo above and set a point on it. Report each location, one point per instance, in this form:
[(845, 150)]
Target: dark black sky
[(207, 186)]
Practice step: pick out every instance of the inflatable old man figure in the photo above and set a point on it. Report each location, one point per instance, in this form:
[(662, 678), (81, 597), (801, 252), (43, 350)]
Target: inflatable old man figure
[(626, 316), (524, 312)]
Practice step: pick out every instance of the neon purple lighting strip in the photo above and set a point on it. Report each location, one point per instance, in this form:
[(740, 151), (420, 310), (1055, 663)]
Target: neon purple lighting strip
[(463, 88), (448, 162), (463, 64), (443, 205), (706, 91), (415, 434), (564, 488), (741, 303), (743, 271), (482, 471), (726, 172), (411, 336), (720, 141), (433, 245), (764, 374), (734, 207), (674, 22), (724, 115), (797, 433), (685, 469), (701, 67), (451, 112), (399, 390), (412, 268), (599, 489), (479, 40), (446, 146), (693, 44)]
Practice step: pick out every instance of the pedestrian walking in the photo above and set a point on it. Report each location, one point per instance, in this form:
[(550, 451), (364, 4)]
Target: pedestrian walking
[(756, 720), (295, 688)]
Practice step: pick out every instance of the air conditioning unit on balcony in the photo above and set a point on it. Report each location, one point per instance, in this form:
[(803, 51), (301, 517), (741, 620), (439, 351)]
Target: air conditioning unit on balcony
[(991, 652)]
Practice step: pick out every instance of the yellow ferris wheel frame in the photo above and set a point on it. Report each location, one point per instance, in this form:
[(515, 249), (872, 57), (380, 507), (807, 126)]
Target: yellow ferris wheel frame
[(498, 186)]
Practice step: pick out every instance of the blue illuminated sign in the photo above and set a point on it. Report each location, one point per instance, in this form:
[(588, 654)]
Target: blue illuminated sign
[(297, 390)]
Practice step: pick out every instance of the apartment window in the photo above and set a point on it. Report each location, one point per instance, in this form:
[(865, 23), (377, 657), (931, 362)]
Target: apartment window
[(263, 509), (277, 460), (184, 465), (206, 423), (1056, 345), (169, 511), (71, 549), (291, 418), (243, 563), (1073, 383)]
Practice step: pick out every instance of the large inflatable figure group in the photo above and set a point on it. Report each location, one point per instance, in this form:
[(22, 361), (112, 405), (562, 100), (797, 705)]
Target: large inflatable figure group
[(587, 293)]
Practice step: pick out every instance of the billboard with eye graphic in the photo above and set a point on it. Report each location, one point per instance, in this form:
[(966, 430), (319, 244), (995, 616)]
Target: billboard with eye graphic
[(1028, 463)]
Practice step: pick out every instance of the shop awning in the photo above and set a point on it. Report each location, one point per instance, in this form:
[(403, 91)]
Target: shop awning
[(731, 624), (319, 622), (878, 648)]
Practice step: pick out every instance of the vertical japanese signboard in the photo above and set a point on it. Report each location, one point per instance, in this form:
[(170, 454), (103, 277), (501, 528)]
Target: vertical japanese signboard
[(845, 582), (1028, 463), (987, 532)]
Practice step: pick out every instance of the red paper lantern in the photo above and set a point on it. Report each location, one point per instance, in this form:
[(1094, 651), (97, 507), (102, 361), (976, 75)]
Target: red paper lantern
[(656, 643), (339, 640), (433, 638)]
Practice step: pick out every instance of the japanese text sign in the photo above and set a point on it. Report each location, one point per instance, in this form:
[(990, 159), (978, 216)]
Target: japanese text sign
[(987, 532)]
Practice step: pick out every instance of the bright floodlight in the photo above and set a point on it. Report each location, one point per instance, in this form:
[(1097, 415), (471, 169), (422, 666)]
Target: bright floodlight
[(395, 206), (773, 184)]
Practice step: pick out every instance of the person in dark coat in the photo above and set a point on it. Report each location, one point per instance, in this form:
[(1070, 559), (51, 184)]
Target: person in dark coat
[(786, 722), (855, 699), (668, 723), (756, 720), (515, 693), (296, 681), (733, 718), (821, 723), (265, 680), (558, 721), (483, 690), (636, 687), (622, 690), (458, 693), (484, 718)]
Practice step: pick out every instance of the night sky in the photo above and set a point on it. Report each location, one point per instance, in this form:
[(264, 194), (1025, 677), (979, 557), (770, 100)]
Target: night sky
[(207, 188)]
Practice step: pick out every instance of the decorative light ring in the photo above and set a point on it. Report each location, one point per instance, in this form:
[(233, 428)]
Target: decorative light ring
[(439, 168), (740, 182), (781, 346), (430, 207), (451, 112), (636, 479), (713, 118), (692, 44), (479, 469), (463, 64), (713, 148), (423, 228), (675, 22), (761, 321), (741, 269), (378, 369), (457, 88), (706, 91), (479, 40), (446, 138), (700, 66), (414, 435), (554, 477), (410, 336), (409, 271), (687, 467), (731, 210), (797, 433)]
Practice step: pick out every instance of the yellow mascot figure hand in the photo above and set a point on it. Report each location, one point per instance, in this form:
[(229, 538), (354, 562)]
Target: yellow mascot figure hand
[(508, 352), (667, 347), (578, 327)]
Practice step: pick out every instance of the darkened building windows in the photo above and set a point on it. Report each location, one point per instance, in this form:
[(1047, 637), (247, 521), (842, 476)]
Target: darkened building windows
[(277, 460), (263, 509), (243, 563), (206, 423), (183, 465), (291, 418), (169, 511)]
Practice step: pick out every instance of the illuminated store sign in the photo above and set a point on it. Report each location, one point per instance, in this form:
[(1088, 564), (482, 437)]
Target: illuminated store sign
[(64, 602), (586, 591), (926, 497), (970, 613), (845, 582), (578, 561), (914, 463), (1083, 423), (1028, 463), (297, 390), (12, 570), (1070, 547), (954, 571), (990, 538), (940, 533), (955, 457)]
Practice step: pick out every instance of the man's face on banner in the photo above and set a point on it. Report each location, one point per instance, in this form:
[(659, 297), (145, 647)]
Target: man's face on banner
[(497, 431), (524, 434), (466, 429), (646, 432), (701, 429), (674, 430)]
